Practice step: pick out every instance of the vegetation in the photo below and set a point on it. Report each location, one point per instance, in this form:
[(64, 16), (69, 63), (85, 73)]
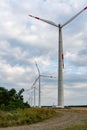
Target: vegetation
[(80, 110), (14, 111), (24, 116), (11, 99)]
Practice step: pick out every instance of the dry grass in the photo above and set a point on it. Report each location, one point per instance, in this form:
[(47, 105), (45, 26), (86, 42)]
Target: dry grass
[(80, 109), (74, 109)]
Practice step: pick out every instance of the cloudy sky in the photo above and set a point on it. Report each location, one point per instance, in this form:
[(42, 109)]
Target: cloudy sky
[(24, 41)]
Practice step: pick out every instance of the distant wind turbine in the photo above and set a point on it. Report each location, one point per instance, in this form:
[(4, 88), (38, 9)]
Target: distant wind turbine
[(34, 87), (39, 78)]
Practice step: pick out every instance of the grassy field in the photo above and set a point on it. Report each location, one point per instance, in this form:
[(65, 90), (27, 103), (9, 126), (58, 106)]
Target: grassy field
[(33, 115), (79, 110), (24, 116)]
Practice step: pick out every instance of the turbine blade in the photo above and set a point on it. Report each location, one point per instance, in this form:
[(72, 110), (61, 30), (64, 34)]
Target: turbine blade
[(37, 68), (71, 19), (48, 76), (44, 20), (85, 8)]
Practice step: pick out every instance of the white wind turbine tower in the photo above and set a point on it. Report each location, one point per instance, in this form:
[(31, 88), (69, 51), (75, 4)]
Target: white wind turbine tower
[(60, 62), (39, 78)]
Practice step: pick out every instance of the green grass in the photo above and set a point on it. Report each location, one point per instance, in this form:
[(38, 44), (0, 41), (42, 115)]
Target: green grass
[(25, 116)]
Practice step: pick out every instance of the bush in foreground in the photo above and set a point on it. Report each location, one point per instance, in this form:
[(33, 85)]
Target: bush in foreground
[(11, 99)]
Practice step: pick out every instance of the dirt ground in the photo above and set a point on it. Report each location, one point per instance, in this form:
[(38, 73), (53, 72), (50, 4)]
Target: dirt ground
[(55, 123)]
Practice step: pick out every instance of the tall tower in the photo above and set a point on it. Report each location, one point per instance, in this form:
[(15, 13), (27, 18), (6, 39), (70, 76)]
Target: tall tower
[(60, 71)]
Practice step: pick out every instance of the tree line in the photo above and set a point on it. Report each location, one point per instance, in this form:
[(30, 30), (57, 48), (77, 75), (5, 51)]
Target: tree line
[(11, 99)]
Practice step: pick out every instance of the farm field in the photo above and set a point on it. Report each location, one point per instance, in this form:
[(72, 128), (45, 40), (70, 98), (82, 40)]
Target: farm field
[(65, 119)]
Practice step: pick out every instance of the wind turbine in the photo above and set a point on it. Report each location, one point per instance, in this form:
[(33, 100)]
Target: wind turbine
[(39, 83), (39, 78), (61, 57), (29, 93), (34, 87), (30, 96)]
